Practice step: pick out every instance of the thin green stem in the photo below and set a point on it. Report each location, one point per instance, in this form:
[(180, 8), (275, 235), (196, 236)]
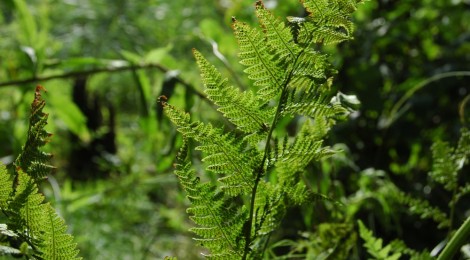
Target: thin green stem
[(452, 209), (267, 149), (460, 238), (259, 174)]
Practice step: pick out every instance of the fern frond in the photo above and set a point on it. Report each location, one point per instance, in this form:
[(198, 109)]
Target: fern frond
[(306, 147), (31, 159), (448, 161), (38, 222), (278, 36), (218, 223), (312, 69), (328, 21), (464, 190), (400, 246), (6, 186), (270, 208), (57, 243), (33, 221), (424, 209), (242, 109), (254, 54), (223, 153), (374, 245)]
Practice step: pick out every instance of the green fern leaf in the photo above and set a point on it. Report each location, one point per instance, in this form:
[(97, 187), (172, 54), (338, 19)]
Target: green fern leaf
[(31, 159), (256, 168), (447, 161), (39, 223), (224, 154), (57, 243), (464, 190), (278, 35), (218, 222), (242, 109), (328, 21), (254, 54), (424, 209), (6, 186), (34, 222), (306, 147), (374, 245)]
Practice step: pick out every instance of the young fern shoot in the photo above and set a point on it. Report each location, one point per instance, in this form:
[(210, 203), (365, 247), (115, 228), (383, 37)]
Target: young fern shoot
[(257, 166)]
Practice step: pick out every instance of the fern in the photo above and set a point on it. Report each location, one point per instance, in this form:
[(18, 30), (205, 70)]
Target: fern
[(424, 209), (31, 159), (447, 165), (259, 170), (393, 251), (220, 224), (447, 161), (30, 220)]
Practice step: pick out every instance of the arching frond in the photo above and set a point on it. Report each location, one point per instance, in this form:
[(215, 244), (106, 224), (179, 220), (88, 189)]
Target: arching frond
[(224, 154), (31, 159), (241, 108), (278, 36), (219, 223), (27, 215), (254, 54)]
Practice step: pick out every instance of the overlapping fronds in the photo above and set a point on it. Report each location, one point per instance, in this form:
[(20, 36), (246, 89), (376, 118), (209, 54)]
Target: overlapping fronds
[(219, 223), (290, 78), (328, 22), (31, 159), (33, 221), (224, 154), (307, 146)]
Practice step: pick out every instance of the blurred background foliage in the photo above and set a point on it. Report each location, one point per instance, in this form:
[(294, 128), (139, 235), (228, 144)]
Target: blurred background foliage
[(104, 63)]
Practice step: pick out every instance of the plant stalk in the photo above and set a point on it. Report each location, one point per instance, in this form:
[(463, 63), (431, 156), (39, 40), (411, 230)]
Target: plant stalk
[(461, 237)]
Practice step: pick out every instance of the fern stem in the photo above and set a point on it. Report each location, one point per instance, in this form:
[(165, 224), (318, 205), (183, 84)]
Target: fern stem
[(460, 238), (452, 210), (250, 218), (260, 172)]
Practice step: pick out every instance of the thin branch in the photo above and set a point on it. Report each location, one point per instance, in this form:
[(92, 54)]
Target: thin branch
[(74, 74)]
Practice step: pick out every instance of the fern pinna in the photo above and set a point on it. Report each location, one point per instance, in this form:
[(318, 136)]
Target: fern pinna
[(32, 228), (260, 170)]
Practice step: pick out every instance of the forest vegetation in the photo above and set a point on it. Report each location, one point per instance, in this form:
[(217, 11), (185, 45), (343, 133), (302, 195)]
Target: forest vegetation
[(309, 129)]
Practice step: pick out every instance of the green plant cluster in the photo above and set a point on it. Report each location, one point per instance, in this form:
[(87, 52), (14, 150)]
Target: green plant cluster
[(272, 160), (258, 168)]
